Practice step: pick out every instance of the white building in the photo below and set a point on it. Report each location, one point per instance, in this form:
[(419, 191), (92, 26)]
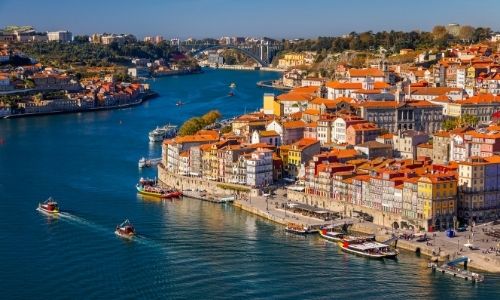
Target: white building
[(270, 137), (60, 36), (461, 74), (259, 168), (339, 129)]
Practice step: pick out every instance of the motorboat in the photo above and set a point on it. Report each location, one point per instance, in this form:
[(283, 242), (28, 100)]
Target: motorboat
[(49, 206), (125, 230), (179, 103), (232, 85), (230, 94), (369, 249)]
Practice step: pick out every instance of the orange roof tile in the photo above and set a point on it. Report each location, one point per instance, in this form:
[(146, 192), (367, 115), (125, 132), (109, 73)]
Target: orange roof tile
[(268, 133), (372, 72), (294, 124)]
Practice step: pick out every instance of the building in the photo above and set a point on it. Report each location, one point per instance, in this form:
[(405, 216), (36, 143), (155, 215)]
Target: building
[(479, 189), (373, 149), (410, 115), (269, 137), (438, 193), (291, 60), (362, 75), (405, 143), (60, 36), (297, 154), (259, 168)]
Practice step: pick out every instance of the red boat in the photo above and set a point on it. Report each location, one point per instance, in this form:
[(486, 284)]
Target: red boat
[(50, 206), (125, 230)]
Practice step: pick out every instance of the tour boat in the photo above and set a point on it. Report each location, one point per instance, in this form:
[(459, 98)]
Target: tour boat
[(370, 249), (49, 206), (156, 191), (298, 228), (160, 133), (125, 230), (332, 236)]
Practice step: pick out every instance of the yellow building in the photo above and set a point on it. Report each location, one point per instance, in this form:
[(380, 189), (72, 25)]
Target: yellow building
[(295, 155), (437, 193), (291, 60), (268, 104)]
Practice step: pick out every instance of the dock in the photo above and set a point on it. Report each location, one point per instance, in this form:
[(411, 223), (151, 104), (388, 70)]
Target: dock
[(204, 196), (148, 163), (450, 268)]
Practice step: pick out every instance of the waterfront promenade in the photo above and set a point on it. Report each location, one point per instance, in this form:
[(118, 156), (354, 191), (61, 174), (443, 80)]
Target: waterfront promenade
[(273, 208), (438, 247)]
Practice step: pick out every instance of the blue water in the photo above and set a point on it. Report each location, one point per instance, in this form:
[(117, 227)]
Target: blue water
[(187, 249)]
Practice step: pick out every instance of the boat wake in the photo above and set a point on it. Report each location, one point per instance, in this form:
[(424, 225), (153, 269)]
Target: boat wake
[(82, 222), (139, 238)]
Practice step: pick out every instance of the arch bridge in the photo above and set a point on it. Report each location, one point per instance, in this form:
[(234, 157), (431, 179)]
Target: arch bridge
[(262, 54)]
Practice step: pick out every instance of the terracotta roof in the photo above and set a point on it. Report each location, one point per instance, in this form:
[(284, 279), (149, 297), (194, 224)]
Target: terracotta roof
[(434, 91), (305, 89), (387, 136), (372, 72), (355, 85), (313, 112), (291, 96), (294, 124), (365, 127), (480, 99), (442, 133), (268, 133)]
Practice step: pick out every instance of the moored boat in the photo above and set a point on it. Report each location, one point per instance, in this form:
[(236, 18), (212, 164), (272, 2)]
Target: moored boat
[(330, 235), (150, 188), (298, 228), (49, 206), (125, 230), (160, 133), (370, 249)]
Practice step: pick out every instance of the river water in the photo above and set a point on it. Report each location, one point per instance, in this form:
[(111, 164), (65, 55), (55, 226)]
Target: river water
[(186, 249)]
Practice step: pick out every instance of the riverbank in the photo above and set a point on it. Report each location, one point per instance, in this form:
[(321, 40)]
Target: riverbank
[(271, 84), (243, 68), (440, 247), (140, 100)]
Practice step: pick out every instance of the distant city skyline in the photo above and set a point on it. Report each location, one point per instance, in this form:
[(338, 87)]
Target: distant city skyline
[(216, 18)]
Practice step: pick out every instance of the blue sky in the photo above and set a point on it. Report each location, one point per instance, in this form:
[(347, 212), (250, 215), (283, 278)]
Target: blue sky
[(273, 18)]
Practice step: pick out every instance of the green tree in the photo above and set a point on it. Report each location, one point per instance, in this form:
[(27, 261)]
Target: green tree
[(195, 124), (449, 124), (210, 117)]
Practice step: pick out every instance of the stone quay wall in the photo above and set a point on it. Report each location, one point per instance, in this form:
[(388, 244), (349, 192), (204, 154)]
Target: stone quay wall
[(195, 183)]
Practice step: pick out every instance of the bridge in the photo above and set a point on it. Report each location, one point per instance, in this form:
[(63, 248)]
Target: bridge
[(262, 53)]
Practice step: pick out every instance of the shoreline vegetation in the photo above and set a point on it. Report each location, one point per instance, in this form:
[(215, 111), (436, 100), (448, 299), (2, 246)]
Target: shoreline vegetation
[(195, 124)]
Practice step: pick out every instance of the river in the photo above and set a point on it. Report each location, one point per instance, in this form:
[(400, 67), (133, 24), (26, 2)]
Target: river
[(186, 249)]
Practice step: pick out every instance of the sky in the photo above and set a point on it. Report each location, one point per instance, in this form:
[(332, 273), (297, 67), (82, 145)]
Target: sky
[(271, 18)]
